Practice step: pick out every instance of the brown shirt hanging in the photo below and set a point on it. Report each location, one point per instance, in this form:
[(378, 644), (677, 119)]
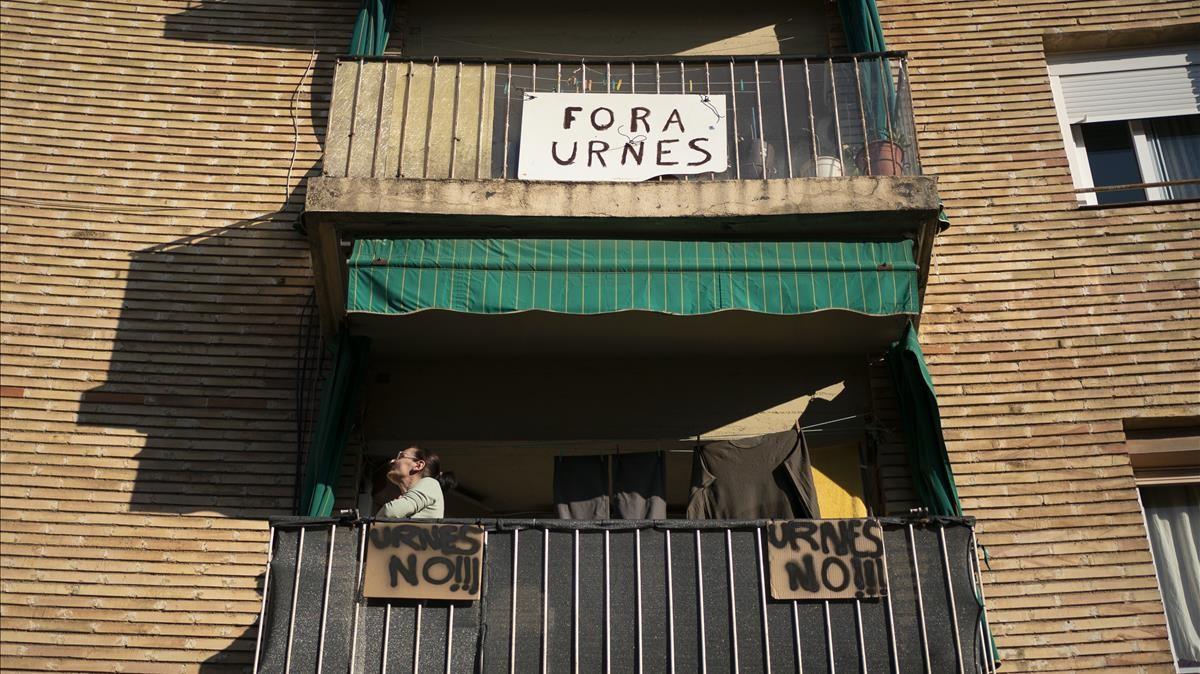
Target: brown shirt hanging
[(764, 477)]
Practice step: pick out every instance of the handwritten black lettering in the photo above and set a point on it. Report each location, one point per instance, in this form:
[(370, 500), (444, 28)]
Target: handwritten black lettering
[(674, 118), (596, 148), (663, 152), (597, 125), (638, 114), (398, 567), (635, 152), (569, 160), (569, 115), (695, 145)]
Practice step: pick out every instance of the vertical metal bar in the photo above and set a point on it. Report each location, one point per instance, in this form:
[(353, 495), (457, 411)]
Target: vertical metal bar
[(987, 630), (507, 119), (482, 651), (953, 605), (378, 124), (796, 636), (387, 633), (545, 592), (607, 77), (353, 115), (787, 129), (362, 546), (404, 119), (262, 611), (575, 608), (325, 601), (829, 639), (454, 121), (657, 88), (287, 661), (637, 572), (762, 589), (512, 618), (812, 124), (912, 547), (417, 638), (837, 116), (670, 606), (916, 140), (891, 617), (708, 91), (632, 80), (733, 621), (700, 600), (885, 70), (533, 77), (683, 90), (449, 638), (429, 116), (479, 139), (862, 118), (862, 645), (607, 606), (737, 153), (762, 132), (558, 79), (580, 86)]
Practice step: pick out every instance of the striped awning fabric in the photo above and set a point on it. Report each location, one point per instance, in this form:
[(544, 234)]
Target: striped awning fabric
[(596, 276)]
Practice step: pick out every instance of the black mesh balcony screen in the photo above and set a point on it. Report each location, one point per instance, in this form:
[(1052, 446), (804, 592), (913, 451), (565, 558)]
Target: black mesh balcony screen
[(622, 597)]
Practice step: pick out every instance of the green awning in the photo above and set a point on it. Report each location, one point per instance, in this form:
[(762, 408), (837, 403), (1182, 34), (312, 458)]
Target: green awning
[(372, 26), (922, 422), (339, 403), (597, 276)]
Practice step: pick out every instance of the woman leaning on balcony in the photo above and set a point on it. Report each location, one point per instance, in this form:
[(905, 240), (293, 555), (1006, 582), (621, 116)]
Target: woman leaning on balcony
[(421, 480)]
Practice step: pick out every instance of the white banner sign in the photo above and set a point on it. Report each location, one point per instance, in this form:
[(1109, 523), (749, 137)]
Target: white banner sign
[(621, 137)]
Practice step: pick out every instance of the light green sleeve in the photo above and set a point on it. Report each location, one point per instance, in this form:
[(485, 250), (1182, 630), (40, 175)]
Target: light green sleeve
[(421, 501)]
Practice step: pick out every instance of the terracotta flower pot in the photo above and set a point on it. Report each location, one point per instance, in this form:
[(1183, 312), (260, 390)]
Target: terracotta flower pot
[(887, 159)]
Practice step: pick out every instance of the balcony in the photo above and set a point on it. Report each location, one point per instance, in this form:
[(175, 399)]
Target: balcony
[(623, 597), (411, 142), (820, 148)]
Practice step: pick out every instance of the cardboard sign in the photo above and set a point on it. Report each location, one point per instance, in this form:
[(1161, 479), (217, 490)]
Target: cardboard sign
[(621, 137), (826, 559), (423, 561)]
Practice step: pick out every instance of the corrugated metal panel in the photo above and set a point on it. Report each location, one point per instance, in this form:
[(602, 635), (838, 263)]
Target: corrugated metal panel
[(621, 597)]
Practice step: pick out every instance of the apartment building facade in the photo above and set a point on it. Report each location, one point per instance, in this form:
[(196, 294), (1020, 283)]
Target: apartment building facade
[(242, 269)]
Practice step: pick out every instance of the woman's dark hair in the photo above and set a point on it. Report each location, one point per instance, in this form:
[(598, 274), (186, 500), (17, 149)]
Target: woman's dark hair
[(433, 468)]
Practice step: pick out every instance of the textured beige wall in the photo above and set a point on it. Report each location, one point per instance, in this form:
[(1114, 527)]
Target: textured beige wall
[(152, 166), (1045, 326)]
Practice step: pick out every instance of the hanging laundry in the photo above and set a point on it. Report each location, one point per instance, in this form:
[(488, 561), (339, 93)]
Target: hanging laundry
[(764, 477), (581, 487), (640, 486)]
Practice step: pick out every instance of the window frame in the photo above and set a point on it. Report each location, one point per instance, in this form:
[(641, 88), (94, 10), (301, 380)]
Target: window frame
[(1080, 63), (1161, 455)]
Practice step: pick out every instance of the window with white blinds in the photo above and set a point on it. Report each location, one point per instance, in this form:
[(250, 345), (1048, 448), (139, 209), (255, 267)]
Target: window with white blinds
[(1130, 122), (1139, 84)]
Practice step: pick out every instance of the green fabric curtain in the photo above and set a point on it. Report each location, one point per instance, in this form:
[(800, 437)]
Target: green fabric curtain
[(339, 402), (922, 424), (371, 28), (576, 276), (864, 34)]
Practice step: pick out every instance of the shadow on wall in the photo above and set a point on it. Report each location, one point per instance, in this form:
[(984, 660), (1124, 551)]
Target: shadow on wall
[(204, 360), (204, 366)]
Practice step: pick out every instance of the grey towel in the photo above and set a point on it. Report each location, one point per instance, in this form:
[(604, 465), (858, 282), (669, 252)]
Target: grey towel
[(640, 486), (581, 487), (763, 477)]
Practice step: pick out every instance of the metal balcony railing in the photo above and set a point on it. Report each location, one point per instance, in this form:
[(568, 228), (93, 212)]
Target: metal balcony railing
[(788, 117), (661, 596)]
